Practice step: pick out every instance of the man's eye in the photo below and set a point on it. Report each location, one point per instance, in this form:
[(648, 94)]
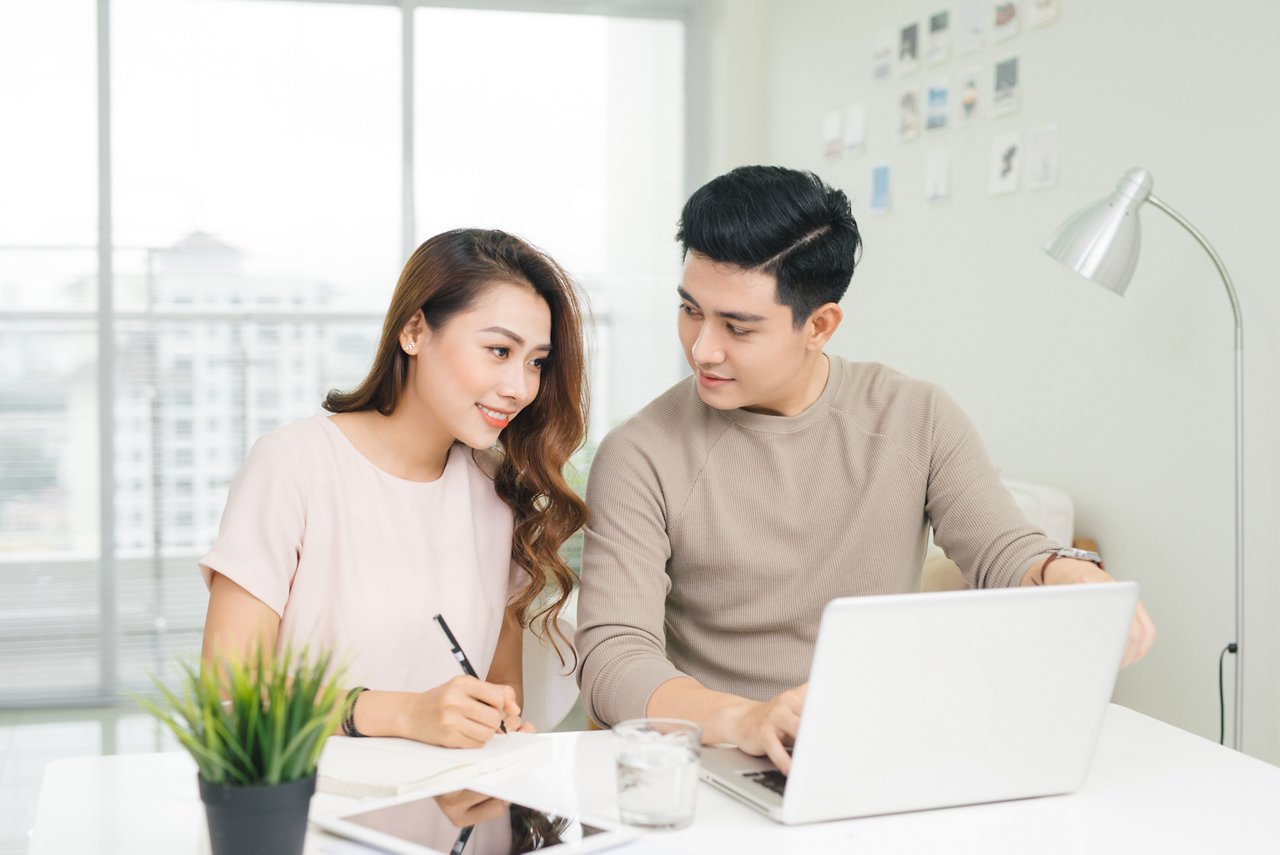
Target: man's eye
[(689, 310), (500, 351), (738, 331)]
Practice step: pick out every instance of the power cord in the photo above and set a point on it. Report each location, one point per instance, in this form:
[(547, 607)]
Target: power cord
[(1222, 704)]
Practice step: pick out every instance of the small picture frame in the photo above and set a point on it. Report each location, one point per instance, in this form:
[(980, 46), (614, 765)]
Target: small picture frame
[(909, 50), (1006, 92), (1005, 20), (1006, 164)]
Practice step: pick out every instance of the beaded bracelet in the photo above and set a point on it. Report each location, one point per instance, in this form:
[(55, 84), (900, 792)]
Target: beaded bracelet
[(349, 717)]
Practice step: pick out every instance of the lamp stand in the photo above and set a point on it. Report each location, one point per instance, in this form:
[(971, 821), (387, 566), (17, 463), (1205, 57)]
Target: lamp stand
[(1238, 718)]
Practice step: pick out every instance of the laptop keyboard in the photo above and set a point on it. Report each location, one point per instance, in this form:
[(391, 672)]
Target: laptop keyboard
[(769, 778)]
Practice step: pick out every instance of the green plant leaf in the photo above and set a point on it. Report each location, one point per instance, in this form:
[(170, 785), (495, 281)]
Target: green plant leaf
[(259, 719)]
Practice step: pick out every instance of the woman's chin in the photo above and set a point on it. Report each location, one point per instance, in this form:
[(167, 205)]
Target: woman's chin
[(480, 440)]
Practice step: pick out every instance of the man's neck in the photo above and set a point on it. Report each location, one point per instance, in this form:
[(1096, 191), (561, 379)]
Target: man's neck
[(816, 370)]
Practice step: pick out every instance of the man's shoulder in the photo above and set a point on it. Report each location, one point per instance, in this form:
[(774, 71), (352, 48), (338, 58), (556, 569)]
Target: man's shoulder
[(878, 400), (668, 420), (667, 438), (875, 389)]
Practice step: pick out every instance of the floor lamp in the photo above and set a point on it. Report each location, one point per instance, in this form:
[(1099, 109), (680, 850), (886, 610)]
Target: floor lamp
[(1101, 242)]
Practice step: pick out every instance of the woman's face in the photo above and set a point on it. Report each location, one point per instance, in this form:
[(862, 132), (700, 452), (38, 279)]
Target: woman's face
[(475, 374)]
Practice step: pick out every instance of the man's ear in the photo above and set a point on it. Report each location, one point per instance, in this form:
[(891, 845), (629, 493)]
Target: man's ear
[(822, 324)]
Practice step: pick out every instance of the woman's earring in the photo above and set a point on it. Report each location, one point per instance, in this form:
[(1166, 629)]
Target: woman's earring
[(408, 346)]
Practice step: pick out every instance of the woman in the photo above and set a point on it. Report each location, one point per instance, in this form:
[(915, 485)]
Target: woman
[(436, 487)]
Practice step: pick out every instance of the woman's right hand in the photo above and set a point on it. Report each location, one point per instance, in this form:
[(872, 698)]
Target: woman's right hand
[(462, 713), (467, 807)]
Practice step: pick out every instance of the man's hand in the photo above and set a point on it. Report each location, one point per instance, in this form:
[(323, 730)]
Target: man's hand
[(1072, 571), (757, 727), (768, 727)]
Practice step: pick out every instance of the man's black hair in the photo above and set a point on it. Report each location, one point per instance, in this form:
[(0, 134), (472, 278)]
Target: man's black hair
[(783, 222)]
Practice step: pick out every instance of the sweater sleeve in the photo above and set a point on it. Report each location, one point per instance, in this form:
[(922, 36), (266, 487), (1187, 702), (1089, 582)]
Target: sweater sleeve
[(621, 637), (975, 519)]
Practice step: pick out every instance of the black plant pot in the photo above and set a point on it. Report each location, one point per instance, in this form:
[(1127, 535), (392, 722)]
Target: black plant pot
[(262, 820)]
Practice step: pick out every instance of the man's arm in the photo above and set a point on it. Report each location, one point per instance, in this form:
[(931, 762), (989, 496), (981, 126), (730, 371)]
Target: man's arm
[(980, 527), (1073, 571), (757, 727), (975, 519), (623, 668), (621, 638)]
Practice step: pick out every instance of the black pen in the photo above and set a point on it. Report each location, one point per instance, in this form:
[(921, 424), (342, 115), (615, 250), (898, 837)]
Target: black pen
[(461, 842), (460, 656)]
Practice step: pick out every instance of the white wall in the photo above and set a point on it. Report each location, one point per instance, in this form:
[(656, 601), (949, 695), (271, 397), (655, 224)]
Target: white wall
[(1124, 403)]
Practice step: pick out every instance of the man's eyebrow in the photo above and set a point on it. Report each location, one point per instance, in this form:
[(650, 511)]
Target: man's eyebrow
[(741, 317), (519, 340)]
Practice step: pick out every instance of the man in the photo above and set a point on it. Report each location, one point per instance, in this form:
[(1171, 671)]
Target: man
[(731, 509)]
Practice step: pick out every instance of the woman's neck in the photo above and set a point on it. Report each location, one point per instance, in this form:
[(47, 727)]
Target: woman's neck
[(406, 444)]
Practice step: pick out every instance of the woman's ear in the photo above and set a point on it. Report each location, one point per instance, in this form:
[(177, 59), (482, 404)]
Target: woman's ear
[(414, 334), (822, 324)]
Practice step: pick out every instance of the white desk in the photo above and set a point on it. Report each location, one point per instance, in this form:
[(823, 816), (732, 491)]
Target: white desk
[(1153, 788)]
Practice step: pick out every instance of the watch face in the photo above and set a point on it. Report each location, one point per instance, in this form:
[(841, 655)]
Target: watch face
[(1082, 554)]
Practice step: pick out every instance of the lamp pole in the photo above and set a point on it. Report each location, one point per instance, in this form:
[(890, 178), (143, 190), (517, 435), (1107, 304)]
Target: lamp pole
[(1238, 718)]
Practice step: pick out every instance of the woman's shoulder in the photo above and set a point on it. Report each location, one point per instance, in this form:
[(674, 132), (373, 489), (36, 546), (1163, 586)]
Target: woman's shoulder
[(301, 437), (294, 447)]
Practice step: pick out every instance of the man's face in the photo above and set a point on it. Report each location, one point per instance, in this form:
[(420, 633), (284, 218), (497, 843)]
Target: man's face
[(739, 340)]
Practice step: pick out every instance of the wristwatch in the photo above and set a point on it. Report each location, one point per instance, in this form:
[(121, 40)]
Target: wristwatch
[(1070, 552)]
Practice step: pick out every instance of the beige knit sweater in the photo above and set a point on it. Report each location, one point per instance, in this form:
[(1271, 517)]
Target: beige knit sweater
[(717, 537)]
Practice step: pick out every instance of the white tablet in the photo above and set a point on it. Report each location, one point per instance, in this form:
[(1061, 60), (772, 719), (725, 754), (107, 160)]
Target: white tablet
[(466, 822)]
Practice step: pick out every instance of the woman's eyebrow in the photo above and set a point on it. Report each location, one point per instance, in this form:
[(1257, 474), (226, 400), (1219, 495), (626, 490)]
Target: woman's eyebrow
[(518, 339)]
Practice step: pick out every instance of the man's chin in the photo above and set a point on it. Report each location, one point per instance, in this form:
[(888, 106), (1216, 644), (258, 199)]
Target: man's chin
[(719, 399)]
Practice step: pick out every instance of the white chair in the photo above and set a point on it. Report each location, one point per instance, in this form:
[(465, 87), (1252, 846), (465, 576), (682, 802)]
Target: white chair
[(550, 689)]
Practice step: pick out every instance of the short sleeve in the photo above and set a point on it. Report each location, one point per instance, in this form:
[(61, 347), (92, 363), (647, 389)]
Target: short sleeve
[(260, 538)]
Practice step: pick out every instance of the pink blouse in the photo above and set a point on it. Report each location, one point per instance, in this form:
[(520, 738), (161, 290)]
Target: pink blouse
[(358, 561)]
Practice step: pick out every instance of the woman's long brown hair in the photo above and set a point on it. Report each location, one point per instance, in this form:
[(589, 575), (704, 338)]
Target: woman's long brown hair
[(443, 277)]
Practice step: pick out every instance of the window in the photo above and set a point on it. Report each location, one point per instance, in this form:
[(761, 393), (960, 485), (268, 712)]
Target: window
[(261, 210), (258, 183), (598, 109)]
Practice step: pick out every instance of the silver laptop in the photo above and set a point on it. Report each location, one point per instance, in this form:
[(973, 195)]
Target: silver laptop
[(920, 701)]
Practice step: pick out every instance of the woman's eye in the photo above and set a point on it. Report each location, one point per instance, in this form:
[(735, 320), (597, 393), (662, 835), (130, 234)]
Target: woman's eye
[(539, 363), (500, 351)]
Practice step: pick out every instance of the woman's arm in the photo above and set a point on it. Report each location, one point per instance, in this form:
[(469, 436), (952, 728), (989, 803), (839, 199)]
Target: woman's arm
[(508, 658), (462, 713), (236, 622)]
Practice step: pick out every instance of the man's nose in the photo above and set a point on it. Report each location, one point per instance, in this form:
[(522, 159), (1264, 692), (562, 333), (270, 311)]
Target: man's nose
[(707, 349)]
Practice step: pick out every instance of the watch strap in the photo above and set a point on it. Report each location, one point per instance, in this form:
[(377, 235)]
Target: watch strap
[(1066, 553)]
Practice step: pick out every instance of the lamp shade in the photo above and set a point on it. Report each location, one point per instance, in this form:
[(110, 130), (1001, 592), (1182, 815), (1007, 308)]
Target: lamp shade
[(1101, 240)]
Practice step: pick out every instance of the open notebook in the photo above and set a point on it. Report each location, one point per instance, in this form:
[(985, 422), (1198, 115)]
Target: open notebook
[(372, 766)]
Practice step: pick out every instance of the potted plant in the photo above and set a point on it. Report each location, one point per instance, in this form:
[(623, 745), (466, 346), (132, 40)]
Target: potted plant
[(255, 728)]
